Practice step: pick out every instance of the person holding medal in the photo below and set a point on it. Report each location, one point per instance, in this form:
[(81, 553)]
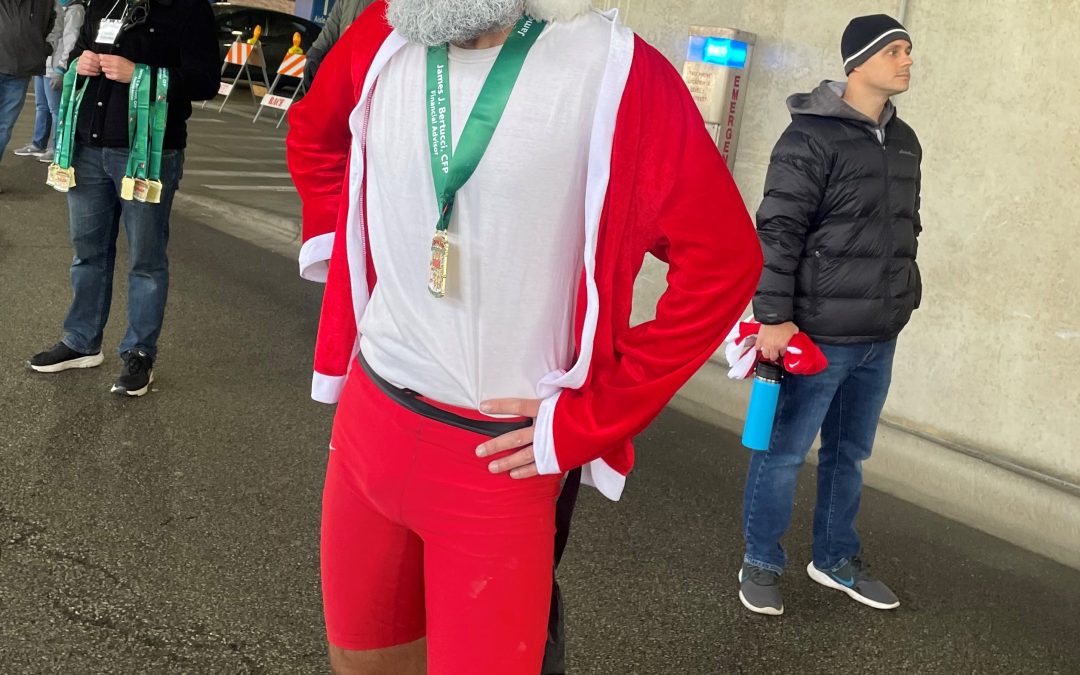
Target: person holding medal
[(481, 181), (127, 93)]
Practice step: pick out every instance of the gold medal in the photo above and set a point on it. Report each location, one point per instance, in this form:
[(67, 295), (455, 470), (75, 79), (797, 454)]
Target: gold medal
[(127, 188), (440, 253), (63, 179), (142, 187), (153, 192), (51, 180)]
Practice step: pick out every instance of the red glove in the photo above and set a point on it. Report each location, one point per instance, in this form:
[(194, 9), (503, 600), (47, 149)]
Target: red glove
[(803, 357)]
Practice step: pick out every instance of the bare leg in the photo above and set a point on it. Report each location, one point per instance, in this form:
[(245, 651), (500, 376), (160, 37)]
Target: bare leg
[(410, 659)]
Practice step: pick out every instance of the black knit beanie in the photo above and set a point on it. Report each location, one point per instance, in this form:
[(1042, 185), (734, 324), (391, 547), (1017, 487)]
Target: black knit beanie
[(865, 36)]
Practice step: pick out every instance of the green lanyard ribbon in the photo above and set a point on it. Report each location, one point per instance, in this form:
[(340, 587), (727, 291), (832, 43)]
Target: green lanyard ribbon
[(146, 135), (138, 122), (160, 116), (61, 175), (451, 168)]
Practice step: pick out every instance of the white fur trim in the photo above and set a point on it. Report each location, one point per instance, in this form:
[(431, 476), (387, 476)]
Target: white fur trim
[(556, 10), (601, 476), (612, 87), (315, 257), (547, 463), (327, 388), (358, 120)]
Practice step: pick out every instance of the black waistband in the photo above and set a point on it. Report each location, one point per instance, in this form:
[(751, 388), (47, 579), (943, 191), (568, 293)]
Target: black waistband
[(411, 400)]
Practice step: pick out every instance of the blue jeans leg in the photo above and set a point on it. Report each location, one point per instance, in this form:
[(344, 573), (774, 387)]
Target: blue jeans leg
[(43, 117), (147, 230), (770, 485), (12, 98), (96, 213), (847, 439), (53, 97), (94, 208)]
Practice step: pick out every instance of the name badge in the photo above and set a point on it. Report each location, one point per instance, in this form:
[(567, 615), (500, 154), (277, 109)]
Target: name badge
[(108, 29)]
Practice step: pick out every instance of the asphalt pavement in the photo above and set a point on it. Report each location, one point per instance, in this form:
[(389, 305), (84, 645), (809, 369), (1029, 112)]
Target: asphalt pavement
[(178, 533)]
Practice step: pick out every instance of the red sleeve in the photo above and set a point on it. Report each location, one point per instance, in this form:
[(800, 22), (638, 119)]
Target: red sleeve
[(319, 139), (671, 191)]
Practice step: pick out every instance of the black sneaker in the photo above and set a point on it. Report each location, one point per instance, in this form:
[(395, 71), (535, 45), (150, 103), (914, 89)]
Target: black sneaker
[(853, 578), (759, 590), (61, 357), (137, 376)]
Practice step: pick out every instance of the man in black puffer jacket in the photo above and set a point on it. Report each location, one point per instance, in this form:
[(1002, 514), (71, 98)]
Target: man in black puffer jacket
[(839, 227)]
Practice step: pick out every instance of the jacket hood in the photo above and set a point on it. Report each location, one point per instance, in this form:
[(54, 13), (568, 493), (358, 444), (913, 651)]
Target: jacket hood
[(827, 101), (556, 10)]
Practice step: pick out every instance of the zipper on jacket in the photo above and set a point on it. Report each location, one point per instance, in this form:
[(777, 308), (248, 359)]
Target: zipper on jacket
[(815, 279), (891, 236)]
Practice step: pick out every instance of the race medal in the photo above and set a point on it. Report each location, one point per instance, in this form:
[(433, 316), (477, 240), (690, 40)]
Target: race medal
[(440, 253), (63, 180), (142, 187), (127, 188), (51, 180), (153, 192)]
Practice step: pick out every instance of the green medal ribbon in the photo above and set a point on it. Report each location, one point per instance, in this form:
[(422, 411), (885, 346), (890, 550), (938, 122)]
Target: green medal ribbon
[(61, 175), (134, 185), (159, 113), (451, 168)]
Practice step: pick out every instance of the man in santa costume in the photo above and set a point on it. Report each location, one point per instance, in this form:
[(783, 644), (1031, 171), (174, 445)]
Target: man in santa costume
[(481, 182)]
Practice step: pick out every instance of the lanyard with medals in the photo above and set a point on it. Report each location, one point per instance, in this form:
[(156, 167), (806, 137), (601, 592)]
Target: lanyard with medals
[(146, 136), (451, 168), (61, 173), (134, 185)]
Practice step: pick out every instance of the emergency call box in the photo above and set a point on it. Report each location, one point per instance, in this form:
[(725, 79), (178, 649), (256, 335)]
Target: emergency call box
[(717, 72)]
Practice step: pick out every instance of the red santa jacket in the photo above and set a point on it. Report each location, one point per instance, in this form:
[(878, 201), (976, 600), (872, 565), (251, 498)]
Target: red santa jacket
[(656, 184)]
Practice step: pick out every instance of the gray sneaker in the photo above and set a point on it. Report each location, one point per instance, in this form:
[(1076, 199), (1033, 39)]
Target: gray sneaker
[(47, 157), (759, 590), (29, 150), (852, 578)]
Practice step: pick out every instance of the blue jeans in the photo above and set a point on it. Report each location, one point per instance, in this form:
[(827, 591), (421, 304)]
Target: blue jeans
[(48, 109), (96, 210), (844, 402), (12, 97)]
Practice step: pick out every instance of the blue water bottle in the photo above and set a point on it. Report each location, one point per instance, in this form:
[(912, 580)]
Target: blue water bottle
[(762, 410)]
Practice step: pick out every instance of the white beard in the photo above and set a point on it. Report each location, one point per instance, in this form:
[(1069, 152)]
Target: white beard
[(556, 10), (433, 22)]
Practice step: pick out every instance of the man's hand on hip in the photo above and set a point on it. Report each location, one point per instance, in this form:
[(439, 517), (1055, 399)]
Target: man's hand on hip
[(117, 68), (521, 464), (772, 341)]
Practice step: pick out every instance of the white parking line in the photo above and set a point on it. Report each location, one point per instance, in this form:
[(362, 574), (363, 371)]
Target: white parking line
[(237, 174), (251, 188), (233, 160)]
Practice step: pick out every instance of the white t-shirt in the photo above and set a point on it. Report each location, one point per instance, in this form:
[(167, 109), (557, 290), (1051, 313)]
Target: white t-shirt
[(517, 232)]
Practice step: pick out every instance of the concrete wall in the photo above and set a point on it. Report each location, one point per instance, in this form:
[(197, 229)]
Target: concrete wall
[(990, 366)]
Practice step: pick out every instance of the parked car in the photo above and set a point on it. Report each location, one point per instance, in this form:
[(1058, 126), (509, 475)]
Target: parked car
[(277, 33)]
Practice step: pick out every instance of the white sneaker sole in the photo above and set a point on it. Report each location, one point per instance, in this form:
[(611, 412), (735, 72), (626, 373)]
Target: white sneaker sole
[(91, 361), (826, 581), (136, 392), (768, 611)]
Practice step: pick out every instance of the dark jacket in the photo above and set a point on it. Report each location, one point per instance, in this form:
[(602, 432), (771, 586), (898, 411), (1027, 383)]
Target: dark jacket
[(840, 221), (179, 35), (24, 26), (342, 14)]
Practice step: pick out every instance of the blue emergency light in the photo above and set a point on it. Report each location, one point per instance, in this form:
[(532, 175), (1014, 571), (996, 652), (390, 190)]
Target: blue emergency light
[(717, 51)]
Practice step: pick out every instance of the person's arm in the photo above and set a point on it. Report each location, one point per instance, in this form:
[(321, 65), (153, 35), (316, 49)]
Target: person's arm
[(794, 187), (198, 76), (329, 34), (320, 140), (74, 17)]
